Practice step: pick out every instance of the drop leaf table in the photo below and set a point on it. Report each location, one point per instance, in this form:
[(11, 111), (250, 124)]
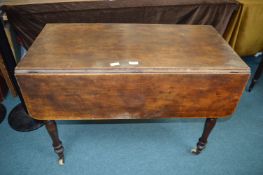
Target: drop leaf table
[(130, 71)]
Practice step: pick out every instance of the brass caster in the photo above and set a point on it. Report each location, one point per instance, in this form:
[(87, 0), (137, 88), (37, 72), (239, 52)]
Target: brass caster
[(61, 161), (195, 151)]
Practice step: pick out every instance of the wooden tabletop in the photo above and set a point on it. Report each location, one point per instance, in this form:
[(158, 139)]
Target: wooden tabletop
[(130, 48)]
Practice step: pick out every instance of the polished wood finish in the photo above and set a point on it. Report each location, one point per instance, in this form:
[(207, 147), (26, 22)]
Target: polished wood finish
[(91, 48), (130, 96), (82, 71)]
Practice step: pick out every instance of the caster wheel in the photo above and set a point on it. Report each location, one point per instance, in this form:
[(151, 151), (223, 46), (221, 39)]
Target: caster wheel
[(195, 151), (61, 161)]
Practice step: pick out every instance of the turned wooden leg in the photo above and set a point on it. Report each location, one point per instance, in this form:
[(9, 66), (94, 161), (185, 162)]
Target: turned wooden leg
[(57, 144), (209, 125)]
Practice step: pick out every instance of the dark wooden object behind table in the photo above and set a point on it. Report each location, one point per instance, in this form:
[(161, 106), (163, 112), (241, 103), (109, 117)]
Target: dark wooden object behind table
[(28, 17)]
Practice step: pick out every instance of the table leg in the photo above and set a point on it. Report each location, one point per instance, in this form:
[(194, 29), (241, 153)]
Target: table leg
[(57, 144), (257, 75), (209, 125)]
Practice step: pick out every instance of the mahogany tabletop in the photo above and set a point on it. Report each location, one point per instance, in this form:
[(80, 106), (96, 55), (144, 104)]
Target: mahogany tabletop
[(130, 48)]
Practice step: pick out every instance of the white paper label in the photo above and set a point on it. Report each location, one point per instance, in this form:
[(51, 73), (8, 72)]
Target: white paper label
[(133, 62), (115, 64)]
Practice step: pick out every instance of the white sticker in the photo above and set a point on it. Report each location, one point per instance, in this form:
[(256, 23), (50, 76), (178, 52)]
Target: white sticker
[(115, 64), (133, 62)]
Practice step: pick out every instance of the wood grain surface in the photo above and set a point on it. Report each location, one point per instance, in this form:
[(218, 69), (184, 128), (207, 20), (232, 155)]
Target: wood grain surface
[(156, 48), (130, 96), (176, 71)]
